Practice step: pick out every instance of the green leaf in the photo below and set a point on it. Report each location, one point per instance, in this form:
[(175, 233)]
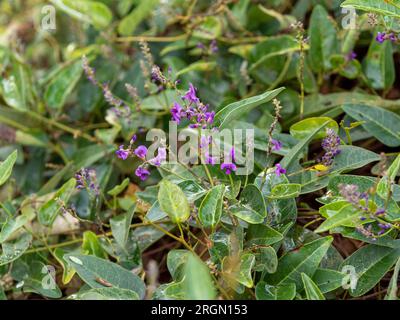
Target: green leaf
[(311, 289), (49, 211), (252, 207), (303, 128), (235, 110), (290, 159), (68, 271), (119, 188), (371, 263), (386, 184), (120, 226), (285, 191), (266, 259), (173, 201), (14, 224), (93, 12), (105, 294), (6, 167), (262, 235), (379, 65), (40, 281), (210, 209), (323, 39), (198, 284), (210, 28), (91, 245), (347, 216), (328, 280), (264, 291), (15, 249), (382, 124), (351, 158), (381, 7), (95, 272), (393, 287), (238, 269), (62, 84), (128, 24), (199, 66), (304, 260)]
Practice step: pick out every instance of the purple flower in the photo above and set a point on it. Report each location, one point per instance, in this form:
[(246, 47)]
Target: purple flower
[(228, 167), (141, 152), (392, 37), (232, 154), (380, 211), (133, 139), (205, 141), (213, 46), (190, 95), (381, 37), (330, 144), (176, 112), (160, 158), (89, 71), (209, 159), (209, 117), (122, 153), (142, 173), (351, 56), (276, 145), (279, 170), (86, 179)]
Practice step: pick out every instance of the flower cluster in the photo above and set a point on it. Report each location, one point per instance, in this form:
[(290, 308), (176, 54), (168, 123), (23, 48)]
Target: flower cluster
[(330, 144), (212, 49), (383, 36), (141, 152), (360, 200), (193, 109), (86, 179)]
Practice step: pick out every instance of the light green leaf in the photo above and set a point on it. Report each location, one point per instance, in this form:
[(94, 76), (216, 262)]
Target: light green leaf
[(120, 226), (347, 216), (371, 263), (93, 12), (68, 271), (173, 201), (252, 207), (235, 110), (285, 191), (381, 123), (303, 128), (14, 224), (198, 284), (49, 211), (311, 289), (119, 188), (13, 250), (293, 156), (105, 294), (6, 167), (95, 272), (386, 184), (91, 245), (128, 24), (210, 209), (323, 39), (304, 260), (379, 66), (328, 280), (393, 287), (62, 84), (381, 7)]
